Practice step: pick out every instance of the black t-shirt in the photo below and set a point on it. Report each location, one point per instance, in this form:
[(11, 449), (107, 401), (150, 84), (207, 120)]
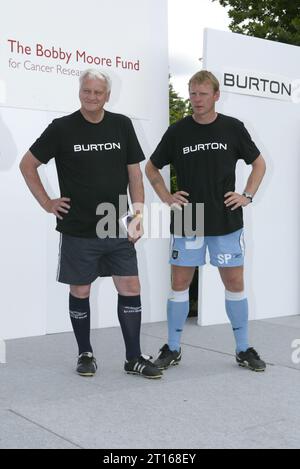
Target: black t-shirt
[(91, 161), (204, 157)]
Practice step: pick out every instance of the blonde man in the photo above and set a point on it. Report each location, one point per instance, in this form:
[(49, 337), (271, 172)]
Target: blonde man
[(204, 149)]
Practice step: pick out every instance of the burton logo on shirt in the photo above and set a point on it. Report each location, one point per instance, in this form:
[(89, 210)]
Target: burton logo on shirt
[(204, 147), (97, 147)]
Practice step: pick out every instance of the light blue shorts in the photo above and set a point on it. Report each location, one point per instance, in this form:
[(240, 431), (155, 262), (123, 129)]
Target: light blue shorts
[(224, 251)]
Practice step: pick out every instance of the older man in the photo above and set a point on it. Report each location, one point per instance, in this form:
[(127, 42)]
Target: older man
[(97, 156)]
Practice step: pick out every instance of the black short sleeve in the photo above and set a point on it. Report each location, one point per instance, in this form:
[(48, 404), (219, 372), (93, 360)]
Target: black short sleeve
[(134, 151), (163, 154), (47, 145), (248, 151)]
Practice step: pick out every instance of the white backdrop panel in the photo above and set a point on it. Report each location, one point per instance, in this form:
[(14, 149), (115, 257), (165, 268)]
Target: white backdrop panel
[(136, 31), (272, 222)]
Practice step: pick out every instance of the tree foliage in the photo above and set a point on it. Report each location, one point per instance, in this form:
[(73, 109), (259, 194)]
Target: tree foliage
[(179, 108), (276, 20)]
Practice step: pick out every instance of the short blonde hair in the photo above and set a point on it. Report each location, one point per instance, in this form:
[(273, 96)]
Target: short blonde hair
[(205, 75)]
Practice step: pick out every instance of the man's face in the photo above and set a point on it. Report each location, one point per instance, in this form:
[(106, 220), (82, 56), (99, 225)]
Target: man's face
[(93, 94), (203, 98)]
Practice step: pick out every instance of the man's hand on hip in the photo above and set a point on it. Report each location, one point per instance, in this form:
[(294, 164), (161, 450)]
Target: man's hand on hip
[(235, 200), (57, 206), (178, 200)]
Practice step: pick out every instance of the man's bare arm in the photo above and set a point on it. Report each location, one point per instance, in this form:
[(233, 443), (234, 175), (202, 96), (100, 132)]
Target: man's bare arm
[(29, 169), (158, 184), (235, 200), (137, 196), (136, 185)]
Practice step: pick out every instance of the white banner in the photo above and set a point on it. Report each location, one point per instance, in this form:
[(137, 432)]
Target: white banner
[(254, 83), (43, 48), (261, 90), (48, 69)]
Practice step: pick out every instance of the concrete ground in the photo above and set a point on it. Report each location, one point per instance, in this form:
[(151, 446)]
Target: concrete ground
[(205, 402)]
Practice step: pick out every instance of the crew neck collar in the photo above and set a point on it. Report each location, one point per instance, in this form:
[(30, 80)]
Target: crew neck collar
[(209, 123), (93, 123)]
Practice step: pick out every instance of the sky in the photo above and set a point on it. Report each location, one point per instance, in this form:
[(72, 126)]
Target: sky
[(187, 20)]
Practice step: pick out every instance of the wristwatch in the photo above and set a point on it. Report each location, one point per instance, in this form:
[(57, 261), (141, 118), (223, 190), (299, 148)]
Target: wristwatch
[(248, 195)]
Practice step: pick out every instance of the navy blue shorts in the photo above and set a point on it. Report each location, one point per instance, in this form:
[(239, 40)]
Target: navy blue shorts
[(82, 260)]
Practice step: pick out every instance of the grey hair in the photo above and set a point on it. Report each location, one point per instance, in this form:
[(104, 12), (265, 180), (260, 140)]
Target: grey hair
[(94, 74)]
